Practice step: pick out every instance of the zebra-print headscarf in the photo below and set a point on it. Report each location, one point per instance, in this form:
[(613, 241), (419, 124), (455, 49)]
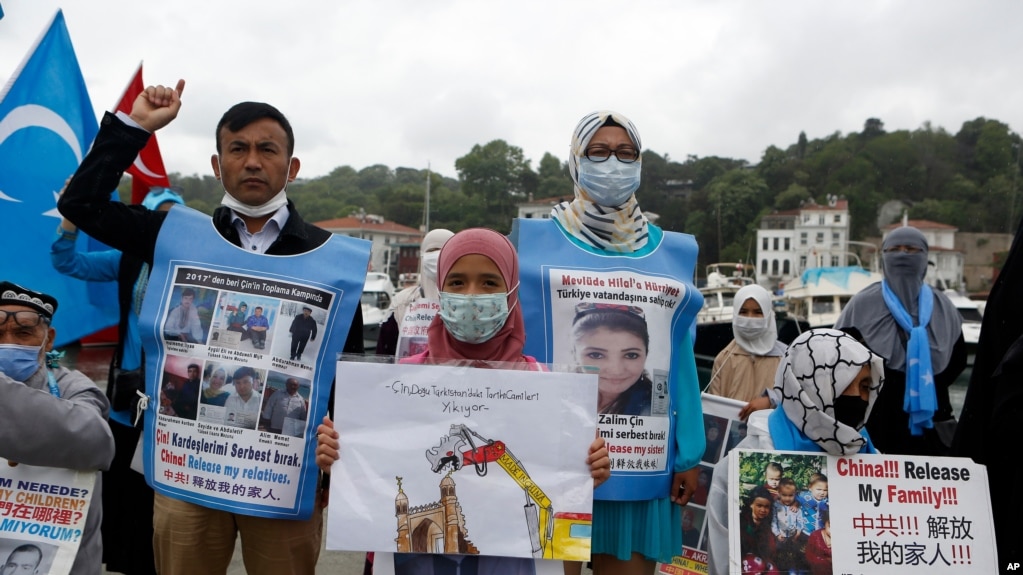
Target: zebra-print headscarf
[(619, 229)]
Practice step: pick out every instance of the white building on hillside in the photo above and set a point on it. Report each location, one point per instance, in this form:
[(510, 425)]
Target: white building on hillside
[(540, 209), (813, 235)]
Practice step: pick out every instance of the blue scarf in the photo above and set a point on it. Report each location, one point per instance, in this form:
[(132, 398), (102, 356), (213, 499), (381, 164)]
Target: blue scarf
[(921, 399), (787, 437)]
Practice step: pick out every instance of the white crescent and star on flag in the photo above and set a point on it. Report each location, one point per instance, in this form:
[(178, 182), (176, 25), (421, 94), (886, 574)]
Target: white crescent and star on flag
[(34, 115)]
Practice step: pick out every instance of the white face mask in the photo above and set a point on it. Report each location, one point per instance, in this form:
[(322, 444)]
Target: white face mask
[(749, 327), (275, 203), (430, 260)]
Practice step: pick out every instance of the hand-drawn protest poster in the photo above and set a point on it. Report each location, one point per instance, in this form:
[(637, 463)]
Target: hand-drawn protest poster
[(859, 514), (42, 517), (463, 460), (724, 431), (239, 364), (627, 318)]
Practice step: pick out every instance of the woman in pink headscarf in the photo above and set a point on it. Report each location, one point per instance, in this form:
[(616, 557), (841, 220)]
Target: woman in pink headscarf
[(480, 317), (480, 320)]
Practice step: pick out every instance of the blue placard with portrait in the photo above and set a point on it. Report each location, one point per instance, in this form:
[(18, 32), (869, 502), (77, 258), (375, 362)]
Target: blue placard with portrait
[(235, 389), (630, 317)]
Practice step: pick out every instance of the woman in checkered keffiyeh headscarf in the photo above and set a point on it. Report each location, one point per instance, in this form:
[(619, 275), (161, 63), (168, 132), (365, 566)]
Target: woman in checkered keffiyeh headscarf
[(816, 413)]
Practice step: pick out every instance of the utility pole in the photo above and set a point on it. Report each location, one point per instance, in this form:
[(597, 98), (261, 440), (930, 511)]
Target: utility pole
[(426, 206), (1015, 190), (719, 227)]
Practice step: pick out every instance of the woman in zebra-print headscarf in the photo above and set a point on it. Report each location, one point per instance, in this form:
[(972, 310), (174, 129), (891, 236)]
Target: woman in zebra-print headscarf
[(605, 213)]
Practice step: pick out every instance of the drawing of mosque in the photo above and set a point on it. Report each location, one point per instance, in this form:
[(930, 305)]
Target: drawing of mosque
[(436, 527)]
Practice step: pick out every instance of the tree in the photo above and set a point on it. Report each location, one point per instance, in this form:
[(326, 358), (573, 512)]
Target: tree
[(994, 153), (737, 197), (791, 198), (935, 154), (872, 128), (554, 180), (497, 175), (776, 168), (801, 146)]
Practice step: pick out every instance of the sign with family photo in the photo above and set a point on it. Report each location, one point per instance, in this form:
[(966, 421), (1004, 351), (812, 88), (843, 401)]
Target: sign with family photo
[(817, 513)]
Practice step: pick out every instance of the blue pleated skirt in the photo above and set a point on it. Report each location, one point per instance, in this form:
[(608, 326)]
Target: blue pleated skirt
[(652, 528)]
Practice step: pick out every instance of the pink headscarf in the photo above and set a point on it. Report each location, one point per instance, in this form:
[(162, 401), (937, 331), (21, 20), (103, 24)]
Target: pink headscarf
[(506, 345)]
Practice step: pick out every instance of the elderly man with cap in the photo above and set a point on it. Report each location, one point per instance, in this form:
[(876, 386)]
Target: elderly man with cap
[(52, 416), (303, 328)]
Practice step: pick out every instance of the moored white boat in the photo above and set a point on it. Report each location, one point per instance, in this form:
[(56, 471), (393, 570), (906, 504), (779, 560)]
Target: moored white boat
[(723, 281), (819, 294)]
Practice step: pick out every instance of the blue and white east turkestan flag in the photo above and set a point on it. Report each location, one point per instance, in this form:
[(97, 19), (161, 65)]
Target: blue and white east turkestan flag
[(47, 124)]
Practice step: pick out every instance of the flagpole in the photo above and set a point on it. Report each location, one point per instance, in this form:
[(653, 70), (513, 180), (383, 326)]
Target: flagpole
[(127, 87), (28, 56)]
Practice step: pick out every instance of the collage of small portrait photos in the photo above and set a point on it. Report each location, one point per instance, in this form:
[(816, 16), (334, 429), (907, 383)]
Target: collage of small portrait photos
[(21, 556), (190, 314), (285, 404), (784, 513), (244, 322), (298, 333), (231, 394)]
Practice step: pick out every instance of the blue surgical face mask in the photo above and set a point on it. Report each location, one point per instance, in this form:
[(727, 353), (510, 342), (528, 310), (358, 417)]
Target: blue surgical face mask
[(609, 183), (473, 318), (19, 362)]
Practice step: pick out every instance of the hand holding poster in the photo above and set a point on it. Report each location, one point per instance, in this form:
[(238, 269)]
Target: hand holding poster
[(42, 516), (859, 514), (463, 460)]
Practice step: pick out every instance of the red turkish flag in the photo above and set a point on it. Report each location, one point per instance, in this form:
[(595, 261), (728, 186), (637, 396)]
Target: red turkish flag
[(148, 170)]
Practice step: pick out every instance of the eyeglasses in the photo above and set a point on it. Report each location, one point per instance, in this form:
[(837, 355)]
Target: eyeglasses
[(903, 249), (625, 154), (588, 307), (22, 318)]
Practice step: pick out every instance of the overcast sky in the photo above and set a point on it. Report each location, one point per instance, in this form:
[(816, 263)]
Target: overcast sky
[(404, 83)]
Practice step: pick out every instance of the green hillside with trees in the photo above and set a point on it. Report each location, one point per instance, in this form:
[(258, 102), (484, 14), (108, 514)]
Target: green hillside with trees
[(969, 179)]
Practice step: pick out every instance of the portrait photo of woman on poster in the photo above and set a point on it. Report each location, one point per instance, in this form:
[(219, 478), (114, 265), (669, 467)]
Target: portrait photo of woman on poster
[(615, 339)]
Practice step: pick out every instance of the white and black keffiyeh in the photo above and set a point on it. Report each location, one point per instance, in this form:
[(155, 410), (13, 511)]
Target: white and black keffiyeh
[(818, 366)]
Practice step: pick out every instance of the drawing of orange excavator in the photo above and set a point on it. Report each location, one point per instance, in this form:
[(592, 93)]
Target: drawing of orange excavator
[(564, 535)]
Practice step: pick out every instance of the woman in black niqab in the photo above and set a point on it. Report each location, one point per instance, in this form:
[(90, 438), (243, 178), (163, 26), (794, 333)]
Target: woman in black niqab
[(990, 422)]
